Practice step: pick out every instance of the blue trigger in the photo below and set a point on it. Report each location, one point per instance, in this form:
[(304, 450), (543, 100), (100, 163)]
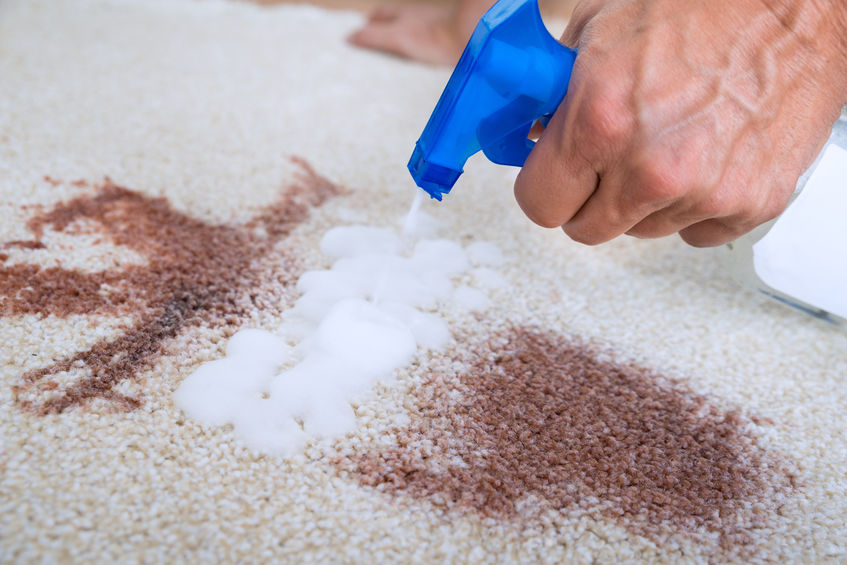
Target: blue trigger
[(512, 73), (511, 149)]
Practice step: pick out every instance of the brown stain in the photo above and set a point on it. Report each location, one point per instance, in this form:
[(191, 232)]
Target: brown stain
[(24, 244), (197, 273), (546, 418)]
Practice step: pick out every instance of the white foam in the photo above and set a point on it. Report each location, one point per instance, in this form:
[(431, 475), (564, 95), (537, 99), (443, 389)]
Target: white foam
[(484, 254), (365, 339), (488, 278), (430, 331), (219, 391), (440, 256), (471, 299), (355, 324)]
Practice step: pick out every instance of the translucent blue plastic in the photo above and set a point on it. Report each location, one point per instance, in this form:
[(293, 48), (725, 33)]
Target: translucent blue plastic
[(512, 73)]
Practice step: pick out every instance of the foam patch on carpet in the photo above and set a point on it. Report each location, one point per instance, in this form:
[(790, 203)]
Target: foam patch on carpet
[(168, 172)]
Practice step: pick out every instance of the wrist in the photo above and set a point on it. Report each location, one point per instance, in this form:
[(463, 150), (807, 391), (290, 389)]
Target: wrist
[(835, 13), (821, 27)]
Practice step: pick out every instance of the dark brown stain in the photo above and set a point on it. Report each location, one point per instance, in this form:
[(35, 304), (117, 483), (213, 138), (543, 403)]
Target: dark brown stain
[(544, 417), (21, 244), (196, 273)]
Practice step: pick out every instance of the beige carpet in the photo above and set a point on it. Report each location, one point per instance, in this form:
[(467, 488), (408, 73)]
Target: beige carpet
[(167, 170)]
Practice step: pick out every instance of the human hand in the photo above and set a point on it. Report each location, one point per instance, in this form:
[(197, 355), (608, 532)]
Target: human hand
[(695, 117)]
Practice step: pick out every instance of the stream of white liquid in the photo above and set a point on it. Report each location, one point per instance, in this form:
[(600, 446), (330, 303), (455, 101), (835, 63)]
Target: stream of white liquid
[(410, 226), (410, 222), (354, 324)]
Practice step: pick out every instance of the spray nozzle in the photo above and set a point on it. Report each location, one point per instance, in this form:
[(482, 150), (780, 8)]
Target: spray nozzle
[(512, 73)]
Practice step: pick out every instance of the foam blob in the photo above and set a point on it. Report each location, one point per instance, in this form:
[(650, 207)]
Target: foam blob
[(205, 394), (429, 330), (355, 324), (215, 392), (484, 254), (323, 289), (471, 299), (264, 428), (440, 256), (488, 278), (260, 347), (365, 338)]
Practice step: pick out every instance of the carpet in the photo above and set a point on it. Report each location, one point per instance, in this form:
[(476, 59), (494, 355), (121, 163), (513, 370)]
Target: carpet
[(168, 170)]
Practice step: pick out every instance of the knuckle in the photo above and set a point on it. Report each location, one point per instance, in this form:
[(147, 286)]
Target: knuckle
[(705, 234), (770, 210), (775, 202), (641, 232), (695, 239), (535, 208), (543, 219), (584, 235), (658, 180), (749, 216), (606, 117), (711, 233), (540, 215), (650, 228), (715, 205)]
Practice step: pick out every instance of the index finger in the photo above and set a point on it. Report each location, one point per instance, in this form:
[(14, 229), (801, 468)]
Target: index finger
[(551, 188)]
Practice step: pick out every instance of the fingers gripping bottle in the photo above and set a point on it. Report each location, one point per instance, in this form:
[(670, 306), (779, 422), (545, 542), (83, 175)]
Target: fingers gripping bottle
[(514, 73)]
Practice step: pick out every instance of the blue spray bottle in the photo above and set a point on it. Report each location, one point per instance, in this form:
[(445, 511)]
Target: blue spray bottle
[(512, 73)]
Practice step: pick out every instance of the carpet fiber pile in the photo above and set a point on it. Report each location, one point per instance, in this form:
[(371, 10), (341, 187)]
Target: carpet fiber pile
[(167, 172)]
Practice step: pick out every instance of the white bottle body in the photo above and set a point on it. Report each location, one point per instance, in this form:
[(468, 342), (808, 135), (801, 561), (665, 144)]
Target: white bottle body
[(800, 258)]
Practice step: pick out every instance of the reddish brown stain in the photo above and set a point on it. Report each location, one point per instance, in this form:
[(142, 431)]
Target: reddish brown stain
[(79, 183), (197, 273), (21, 244), (539, 415)]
